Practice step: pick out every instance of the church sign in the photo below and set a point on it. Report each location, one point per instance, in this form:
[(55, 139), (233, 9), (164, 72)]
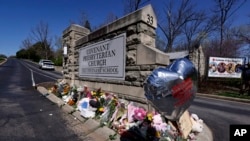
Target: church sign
[(105, 59)]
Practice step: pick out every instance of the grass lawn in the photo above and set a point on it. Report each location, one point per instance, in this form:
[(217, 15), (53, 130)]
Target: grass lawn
[(234, 94), (1, 59)]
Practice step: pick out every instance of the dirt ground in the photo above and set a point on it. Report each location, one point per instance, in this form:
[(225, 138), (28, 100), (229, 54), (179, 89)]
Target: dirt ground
[(47, 85)]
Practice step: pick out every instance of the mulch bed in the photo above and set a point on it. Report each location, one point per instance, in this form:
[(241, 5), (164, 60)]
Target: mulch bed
[(46, 85)]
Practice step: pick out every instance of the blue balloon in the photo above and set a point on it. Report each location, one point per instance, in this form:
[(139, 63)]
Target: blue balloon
[(171, 89)]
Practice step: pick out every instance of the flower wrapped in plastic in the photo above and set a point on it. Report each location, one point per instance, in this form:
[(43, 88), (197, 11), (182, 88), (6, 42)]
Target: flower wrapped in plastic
[(172, 89), (159, 124), (53, 89), (140, 114), (85, 108), (66, 89), (111, 108)]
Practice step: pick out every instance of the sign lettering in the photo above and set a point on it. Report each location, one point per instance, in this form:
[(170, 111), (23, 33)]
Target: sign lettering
[(239, 132), (105, 59), (150, 19)]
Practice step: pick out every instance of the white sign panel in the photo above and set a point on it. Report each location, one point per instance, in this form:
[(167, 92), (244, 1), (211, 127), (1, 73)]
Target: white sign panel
[(225, 67), (105, 59), (65, 50)]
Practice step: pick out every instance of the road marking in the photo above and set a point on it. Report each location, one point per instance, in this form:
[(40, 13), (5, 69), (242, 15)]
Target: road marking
[(32, 75), (30, 66), (45, 75), (32, 78)]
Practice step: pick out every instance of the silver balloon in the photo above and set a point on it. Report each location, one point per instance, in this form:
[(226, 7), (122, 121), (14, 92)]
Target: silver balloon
[(172, 89)]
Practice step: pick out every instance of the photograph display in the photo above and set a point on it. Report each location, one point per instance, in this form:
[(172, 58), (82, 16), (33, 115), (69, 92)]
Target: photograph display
[(225, 67)]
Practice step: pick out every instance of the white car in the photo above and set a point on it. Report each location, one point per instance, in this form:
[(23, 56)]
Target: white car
[(46, 64)]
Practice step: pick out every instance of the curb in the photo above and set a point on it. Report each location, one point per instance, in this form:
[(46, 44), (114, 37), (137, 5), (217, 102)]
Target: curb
[(3, 61), (91, 129), (224, 98)]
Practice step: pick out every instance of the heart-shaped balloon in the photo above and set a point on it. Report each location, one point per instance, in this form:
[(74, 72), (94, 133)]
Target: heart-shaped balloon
[(171, 90)]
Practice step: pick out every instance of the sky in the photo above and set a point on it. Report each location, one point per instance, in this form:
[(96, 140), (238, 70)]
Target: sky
[(19, 17)]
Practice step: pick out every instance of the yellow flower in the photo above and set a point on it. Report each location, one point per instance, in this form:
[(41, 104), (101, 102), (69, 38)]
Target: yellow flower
[(157, 134), (150, 116), (66, 89), (101, 109), (93, 92)]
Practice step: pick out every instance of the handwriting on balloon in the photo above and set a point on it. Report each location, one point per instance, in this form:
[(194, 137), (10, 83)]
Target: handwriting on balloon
[(182, 91)]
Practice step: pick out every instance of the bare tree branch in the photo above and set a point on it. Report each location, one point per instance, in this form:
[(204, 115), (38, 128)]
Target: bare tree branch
[(176, 20), (27, 43), (225, 9), (41, 34), (133, 5)]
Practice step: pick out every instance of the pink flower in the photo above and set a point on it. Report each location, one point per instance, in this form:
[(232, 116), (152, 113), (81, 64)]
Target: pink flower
[(139, 114), (158, 123), (131, 111)]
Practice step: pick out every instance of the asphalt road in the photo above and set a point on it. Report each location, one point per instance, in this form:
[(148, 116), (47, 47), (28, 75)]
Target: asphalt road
[(219, 114), (25, 115)]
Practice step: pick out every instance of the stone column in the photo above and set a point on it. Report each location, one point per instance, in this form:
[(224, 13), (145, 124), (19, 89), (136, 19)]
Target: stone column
[(198, 58), (70, 35)]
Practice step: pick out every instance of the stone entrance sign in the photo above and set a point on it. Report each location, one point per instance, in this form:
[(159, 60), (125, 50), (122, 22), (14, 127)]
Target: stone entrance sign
[(105, 59), (118, 57)]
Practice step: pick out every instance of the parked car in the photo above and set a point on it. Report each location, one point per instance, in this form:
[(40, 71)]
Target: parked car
[(46, 64)]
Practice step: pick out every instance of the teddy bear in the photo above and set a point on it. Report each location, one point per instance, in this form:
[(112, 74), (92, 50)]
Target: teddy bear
[(197, 123), (159, 124)]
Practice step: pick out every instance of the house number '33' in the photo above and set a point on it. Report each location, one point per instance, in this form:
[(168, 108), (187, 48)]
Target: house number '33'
[(150, 19)]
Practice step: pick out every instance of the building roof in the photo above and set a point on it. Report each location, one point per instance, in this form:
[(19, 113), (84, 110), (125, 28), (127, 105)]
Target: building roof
[(177, 55)]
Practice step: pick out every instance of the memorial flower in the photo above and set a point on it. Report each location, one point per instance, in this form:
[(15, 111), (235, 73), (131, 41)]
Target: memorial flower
[(140, 114), (53, 89), (66, 89), (158, 123), (98, 93), (101, 109), (127, 118), (150, 116)]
